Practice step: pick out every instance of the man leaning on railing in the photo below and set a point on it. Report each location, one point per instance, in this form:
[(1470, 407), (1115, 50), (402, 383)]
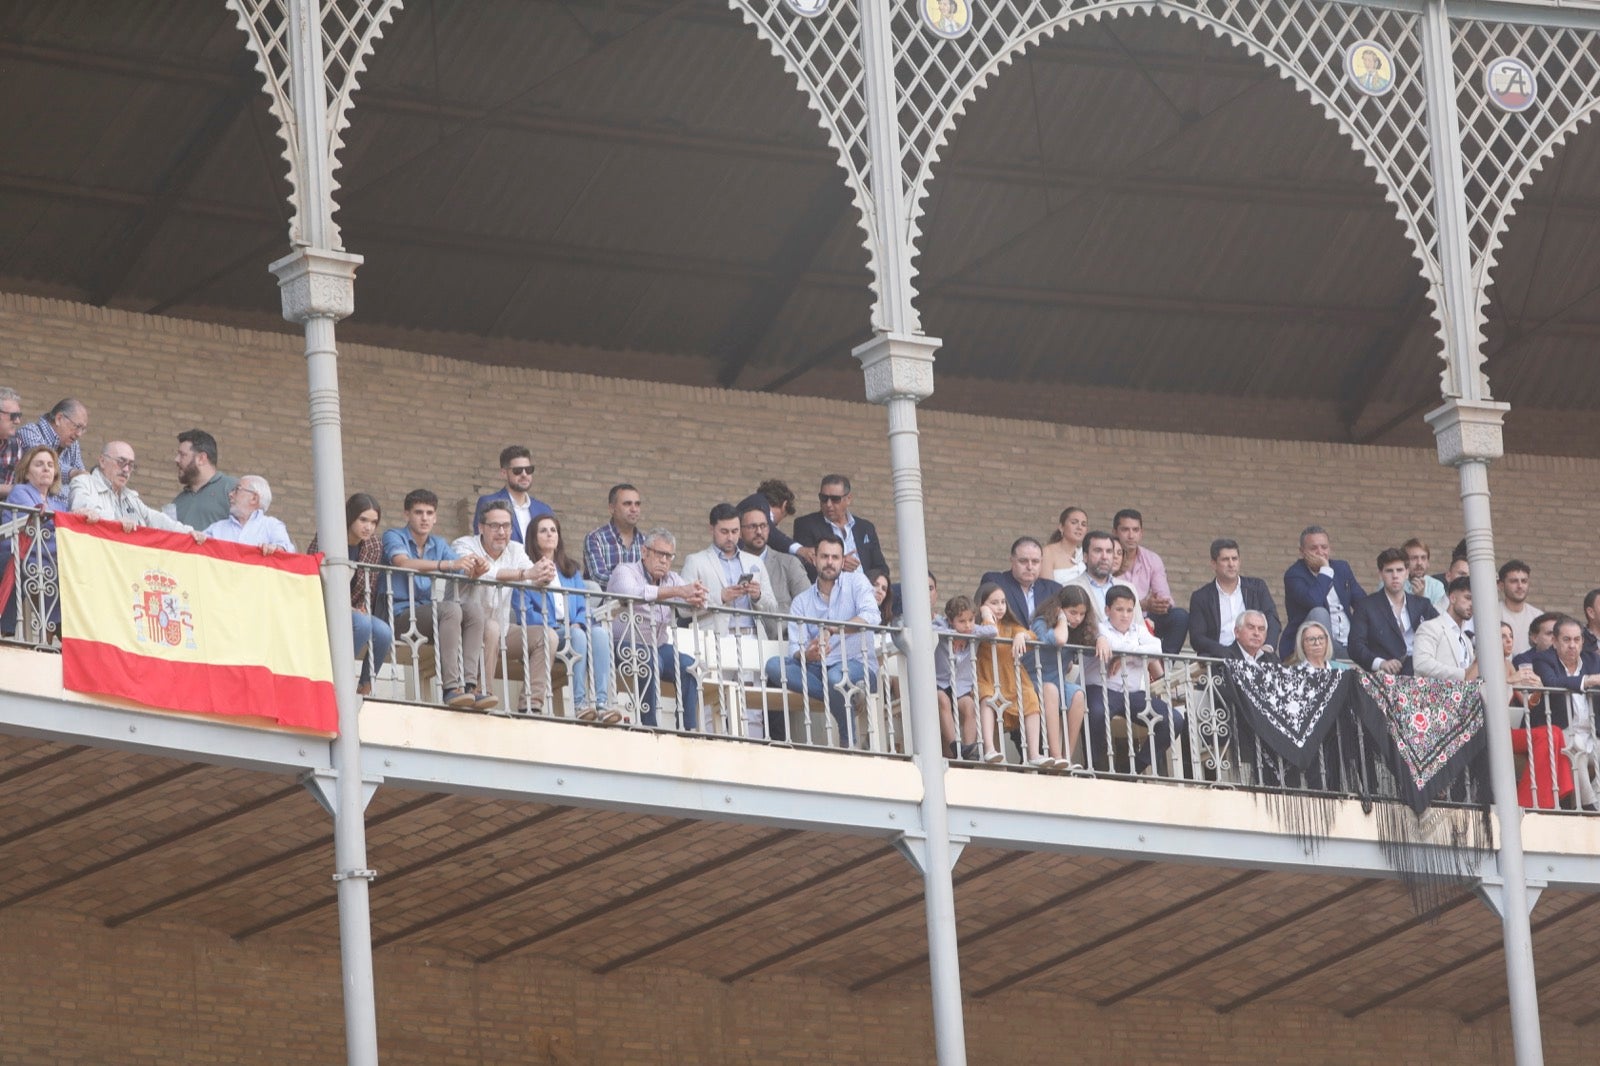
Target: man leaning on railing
[(825, 655), (643, 629)]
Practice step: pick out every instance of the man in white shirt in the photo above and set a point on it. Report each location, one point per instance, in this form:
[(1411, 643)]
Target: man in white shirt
[(1514, 605), (105, 494), (735, 579), (506, 560), (1444, 644), (1120, 688), (248, 521)]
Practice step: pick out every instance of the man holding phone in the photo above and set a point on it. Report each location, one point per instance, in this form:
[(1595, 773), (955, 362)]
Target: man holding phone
[(735, 579)]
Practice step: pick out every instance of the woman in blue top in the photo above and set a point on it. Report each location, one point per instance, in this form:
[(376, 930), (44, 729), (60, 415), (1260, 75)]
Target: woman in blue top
[(568, 614), (39, 486), (1061, 621)]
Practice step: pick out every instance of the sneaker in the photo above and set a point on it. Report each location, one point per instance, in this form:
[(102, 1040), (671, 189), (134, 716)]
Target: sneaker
[(1041, 762), (610, 716), (483, 699), (991, 756), (454, 697), (1058, 763), (587, 713), (971, 752)]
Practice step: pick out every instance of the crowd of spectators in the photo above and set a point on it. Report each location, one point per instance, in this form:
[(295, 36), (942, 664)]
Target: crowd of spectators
[(1102, 591)]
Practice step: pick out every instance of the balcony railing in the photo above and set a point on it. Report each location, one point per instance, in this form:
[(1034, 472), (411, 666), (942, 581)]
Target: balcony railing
[(732, 673)]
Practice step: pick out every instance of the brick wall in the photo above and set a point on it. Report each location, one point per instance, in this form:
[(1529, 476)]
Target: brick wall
[(177, 994), (419, 420)]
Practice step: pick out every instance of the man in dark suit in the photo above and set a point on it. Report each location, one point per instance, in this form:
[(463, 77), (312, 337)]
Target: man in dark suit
[(779, 501), (1024, 588), (862, 550), (1306, 587), (1250, 642), (1210, 627), (1383, 628), (1569, 666)]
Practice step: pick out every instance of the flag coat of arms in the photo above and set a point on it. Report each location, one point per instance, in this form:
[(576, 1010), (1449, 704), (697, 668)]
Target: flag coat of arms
[(213, 628)]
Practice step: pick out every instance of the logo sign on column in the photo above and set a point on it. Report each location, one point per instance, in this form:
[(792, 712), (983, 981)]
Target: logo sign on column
[(809, 8), (1369, 67), (1510, 84), (947, 18)]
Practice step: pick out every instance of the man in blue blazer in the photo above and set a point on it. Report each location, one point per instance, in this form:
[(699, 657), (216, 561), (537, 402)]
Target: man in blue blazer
[(1023, 586), (862, 550), (1569, 666), (516, 466), (1383, 628), (1207, 633), (1306, 586)]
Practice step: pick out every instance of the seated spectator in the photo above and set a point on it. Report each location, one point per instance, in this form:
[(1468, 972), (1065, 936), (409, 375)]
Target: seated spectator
[(1119, 688), (1420, 582), (11, 446), (862, 550), (1313, 649), (618, 541), (955, 670), (1541, 635), (1320, 588), (1100, 560), (1513, 579), (247, 521), (105, 494), (204, 492), (642, 629), (1383, 628), (1063, 553), (779, 498), (1008, 696), (827, 659), (505, 562), (566, 614), (1575, 671), (373, 637), (516, 467), (1250, 640), (883, 592), (787, 573), (733, 578), (1444, 643), (1458, 554), (1458, 568), (38, 486), (1546, 780), (1215, 606), (1025, 590), (60, 430), (1063, 623), (454, 625), (1148, 575)]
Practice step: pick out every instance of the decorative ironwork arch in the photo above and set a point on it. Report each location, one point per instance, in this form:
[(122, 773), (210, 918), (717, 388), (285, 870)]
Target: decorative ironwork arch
[(1502, 151), (1303, 41)]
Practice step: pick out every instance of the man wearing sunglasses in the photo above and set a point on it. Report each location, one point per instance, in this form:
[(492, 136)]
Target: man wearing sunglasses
[(516, 466), (10, 441), (861, 548), (60, 429)]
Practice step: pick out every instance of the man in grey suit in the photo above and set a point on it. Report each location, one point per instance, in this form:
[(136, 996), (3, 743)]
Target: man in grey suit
[(787, 573), (732, 577)]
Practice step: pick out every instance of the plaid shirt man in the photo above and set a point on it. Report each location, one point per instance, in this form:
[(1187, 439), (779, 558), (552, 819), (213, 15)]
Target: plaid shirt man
[(603, 552), (10, 455), (42, 432)]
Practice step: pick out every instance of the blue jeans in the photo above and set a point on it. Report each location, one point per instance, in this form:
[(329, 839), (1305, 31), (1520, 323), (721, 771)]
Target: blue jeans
[(637, 664), (1172, 629), (591, 663), (808, 680), (1106, 704), (370, 630)]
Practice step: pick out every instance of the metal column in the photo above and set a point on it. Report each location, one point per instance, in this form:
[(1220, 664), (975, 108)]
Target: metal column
[(316, 283), (1467, 428)]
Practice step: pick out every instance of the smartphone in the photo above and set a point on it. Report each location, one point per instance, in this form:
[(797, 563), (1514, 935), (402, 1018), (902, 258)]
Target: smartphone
[(745, 579)]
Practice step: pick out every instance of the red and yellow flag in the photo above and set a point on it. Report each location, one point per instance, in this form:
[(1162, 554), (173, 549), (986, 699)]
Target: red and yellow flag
[(213, 628)]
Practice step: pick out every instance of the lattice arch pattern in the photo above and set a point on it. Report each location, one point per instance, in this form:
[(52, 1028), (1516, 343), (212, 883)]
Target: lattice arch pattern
[(1503, 150), (1304, 40), (350, 30)]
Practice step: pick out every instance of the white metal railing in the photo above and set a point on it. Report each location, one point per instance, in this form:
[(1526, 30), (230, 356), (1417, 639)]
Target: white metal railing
[(30, 587)]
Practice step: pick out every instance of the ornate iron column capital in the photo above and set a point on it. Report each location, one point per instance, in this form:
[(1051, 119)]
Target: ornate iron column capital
[(316, 283), (1468, 430), (898, 366)]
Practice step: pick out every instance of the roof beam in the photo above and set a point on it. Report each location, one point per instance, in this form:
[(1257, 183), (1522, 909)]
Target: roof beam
[(59, 755), (1137, 925), (99, 803)]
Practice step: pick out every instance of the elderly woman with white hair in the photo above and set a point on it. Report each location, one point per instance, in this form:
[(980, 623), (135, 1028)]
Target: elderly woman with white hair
[(248, 521)]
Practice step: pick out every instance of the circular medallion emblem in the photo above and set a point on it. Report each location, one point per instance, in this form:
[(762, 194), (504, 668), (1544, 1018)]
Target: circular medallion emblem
[(1510, 84), (1369, 67), (809, 8), (947, 18)]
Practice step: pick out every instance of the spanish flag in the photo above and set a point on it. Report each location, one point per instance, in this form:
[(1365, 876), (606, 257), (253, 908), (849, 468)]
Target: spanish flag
[(213, 628)]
